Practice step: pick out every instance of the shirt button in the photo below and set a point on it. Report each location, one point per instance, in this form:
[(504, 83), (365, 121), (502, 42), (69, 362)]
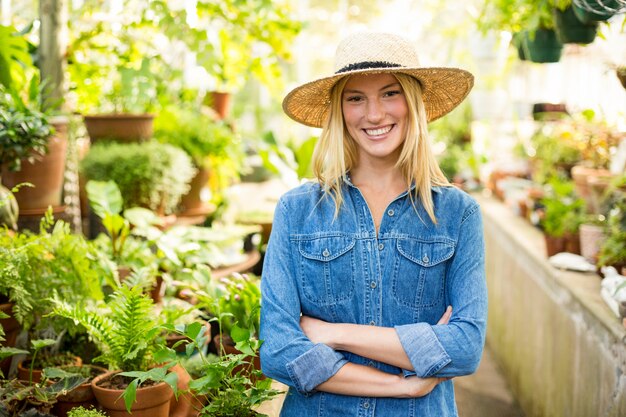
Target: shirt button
[(390, 213), (372, 323), (425, 259), (366, 405), (373, 284), (326, 253), (381, 246)]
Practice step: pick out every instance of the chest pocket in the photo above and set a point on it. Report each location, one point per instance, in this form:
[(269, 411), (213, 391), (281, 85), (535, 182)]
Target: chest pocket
[(419, 272), (326, 269)]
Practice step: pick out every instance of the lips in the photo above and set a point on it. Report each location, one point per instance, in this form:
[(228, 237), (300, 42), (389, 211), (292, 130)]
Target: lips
[(379, 130)]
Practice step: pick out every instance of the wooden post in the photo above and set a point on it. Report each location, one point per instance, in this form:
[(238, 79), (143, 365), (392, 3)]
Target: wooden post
[(53, 49)]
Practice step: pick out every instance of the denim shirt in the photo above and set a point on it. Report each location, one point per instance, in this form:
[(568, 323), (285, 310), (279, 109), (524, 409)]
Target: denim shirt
[(340, 271)]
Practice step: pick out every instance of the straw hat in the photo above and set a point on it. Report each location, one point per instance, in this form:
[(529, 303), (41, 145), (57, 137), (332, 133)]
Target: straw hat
[(442, 88)]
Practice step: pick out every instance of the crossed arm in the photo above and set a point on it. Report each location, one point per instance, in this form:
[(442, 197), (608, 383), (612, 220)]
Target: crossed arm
[(377, 343)]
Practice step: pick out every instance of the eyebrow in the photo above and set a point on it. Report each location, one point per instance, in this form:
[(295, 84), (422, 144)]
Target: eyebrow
[(383, 88)]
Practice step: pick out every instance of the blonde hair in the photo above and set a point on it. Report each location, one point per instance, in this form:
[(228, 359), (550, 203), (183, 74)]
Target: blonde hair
[(336, 152)]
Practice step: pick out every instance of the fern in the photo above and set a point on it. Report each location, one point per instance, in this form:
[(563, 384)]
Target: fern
[(126, 332)]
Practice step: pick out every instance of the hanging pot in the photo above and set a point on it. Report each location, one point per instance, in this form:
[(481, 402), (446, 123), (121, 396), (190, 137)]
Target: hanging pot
[(570, 29), (543, 47), (596, 10)]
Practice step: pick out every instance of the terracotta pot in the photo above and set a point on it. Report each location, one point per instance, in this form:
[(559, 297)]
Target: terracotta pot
[(191, 204), (46, 174), (566, 243), (187, 405), (23, 369), (80, 396), (158, 290), (151, 401), (220, 102), (119, 127)]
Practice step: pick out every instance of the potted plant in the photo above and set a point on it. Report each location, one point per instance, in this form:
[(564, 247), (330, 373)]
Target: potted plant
[(18, 398), (82, 395), (214, 148), (562, 215), (128, 334), (553, 150), (132, 98), (37, 266), (531, 22), (32, 144), (228, 385), (613, 249), (597, 141), (150, 175)]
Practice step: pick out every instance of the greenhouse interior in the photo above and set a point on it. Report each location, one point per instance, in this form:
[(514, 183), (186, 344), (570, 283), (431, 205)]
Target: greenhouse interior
[(200, 206)]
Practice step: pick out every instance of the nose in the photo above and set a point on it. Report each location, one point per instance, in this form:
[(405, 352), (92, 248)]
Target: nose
[(375, 111)]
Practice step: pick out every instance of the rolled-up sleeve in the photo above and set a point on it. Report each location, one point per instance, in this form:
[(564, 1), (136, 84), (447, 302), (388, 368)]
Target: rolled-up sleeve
[(455, 349), (287, 355)]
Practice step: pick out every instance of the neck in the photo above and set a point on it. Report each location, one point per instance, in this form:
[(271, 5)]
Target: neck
[(378, 177)]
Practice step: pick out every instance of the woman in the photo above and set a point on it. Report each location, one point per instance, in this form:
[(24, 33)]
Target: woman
[(373, 283)]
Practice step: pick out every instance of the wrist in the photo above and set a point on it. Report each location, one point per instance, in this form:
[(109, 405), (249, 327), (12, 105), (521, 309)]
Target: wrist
[(337, 336)]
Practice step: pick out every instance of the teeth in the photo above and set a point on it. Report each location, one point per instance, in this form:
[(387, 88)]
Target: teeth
[(377, 132)]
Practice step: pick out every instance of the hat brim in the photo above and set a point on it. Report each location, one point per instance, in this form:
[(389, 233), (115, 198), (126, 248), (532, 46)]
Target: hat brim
[(442, 90)]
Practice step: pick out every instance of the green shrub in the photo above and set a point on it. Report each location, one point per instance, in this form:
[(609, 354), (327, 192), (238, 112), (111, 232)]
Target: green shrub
[(151, 175)]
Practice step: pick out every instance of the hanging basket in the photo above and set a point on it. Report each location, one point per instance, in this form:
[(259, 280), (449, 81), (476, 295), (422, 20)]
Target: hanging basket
[(544, 47), (588, 11), (570, 29)]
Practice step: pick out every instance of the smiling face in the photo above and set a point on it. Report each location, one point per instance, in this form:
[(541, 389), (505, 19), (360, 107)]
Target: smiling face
[(375, 113)]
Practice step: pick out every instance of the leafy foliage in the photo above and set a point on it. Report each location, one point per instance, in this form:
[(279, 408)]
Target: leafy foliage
[(563, 210), (34, 267), (613, 250), (230, 383), (18, 398), (125, 329), (24, 130), (84, 412), (151, 175)]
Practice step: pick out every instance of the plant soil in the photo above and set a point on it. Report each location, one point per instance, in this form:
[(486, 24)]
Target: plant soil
[(120, 382)]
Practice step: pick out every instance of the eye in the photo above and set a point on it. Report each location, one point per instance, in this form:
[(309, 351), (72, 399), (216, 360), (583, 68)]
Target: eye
[(354, 99), (391, 93)]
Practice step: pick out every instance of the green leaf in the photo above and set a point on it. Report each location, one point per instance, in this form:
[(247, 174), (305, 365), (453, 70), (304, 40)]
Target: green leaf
[(42, 343), (239, 334), (104, 197), (6, 352), (130, 393)]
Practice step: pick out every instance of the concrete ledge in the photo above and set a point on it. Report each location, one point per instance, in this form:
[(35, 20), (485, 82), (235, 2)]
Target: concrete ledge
[(561, 348)]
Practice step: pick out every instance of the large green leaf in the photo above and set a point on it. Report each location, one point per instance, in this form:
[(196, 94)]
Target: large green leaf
[(14, 57), (104, 197)]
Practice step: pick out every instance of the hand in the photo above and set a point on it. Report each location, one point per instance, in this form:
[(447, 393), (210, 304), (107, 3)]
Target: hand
[(419, 387), (318, 331), (445, 319)]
